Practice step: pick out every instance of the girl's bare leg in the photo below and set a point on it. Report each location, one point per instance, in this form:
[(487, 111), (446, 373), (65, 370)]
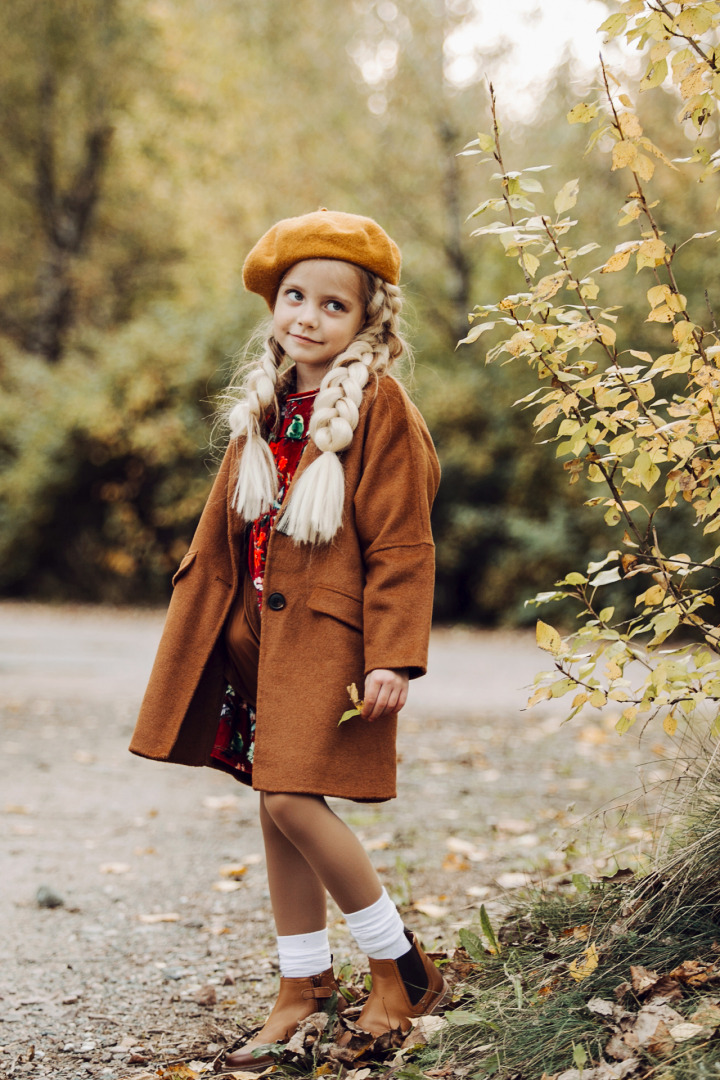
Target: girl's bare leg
[(317, 841), (296, 893)]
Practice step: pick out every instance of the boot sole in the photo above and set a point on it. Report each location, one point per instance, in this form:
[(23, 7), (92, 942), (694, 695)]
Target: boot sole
[(256, 1066)]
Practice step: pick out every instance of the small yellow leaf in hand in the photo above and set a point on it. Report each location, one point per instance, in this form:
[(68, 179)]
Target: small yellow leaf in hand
[(354, 696)]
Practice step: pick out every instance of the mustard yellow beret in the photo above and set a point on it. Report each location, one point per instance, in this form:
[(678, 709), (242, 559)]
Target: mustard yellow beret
[(324, 234)]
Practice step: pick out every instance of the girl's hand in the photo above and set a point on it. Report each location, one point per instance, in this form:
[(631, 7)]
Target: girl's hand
[(385, 692)]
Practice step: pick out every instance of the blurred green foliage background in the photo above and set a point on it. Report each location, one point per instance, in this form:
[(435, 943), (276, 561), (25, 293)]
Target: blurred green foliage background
[(144, 147)]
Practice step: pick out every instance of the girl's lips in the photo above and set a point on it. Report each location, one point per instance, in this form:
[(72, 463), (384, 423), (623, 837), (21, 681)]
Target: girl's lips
[(310, 341)]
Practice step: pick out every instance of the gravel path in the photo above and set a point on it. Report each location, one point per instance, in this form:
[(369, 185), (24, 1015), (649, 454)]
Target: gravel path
[(163, 942)]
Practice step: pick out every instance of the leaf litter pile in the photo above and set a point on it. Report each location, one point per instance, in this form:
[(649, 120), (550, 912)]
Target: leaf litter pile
[(619, 979), (313, 1050)]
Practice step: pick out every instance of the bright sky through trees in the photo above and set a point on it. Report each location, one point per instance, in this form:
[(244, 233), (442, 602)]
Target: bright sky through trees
[(531, 39)]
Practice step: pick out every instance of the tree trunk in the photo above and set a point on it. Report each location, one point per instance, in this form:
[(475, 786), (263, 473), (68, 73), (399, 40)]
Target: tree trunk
[(65, 218)]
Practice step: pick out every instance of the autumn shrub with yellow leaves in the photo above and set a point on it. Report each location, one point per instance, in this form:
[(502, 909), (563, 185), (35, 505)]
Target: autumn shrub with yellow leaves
[(642, 426)]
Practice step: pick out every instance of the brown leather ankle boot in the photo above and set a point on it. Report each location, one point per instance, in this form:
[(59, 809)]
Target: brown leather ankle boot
[(390, 1004), (297, 999)]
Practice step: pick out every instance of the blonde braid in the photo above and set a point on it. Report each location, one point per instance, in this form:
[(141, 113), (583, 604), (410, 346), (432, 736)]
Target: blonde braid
[(314, 513), (257, 482)]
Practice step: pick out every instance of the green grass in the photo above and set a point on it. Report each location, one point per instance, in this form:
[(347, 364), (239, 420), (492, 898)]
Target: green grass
[(522, 1014)]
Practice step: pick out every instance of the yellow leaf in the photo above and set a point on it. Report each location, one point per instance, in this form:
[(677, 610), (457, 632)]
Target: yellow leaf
[(607, 335), (530, 262), (232, 870), (659, 294), (670, 723), (624, 154), (651, 253), (598, 699), (627, 719), (614, 25), (706, 431), (582, 113), (654, 595), (695, 20), (693, 83), (661, 314), (655, 75), (644, 472), (581, 969), (567, 196), (541, 694), (644, 167), (630, 125), (354, 696), (548, 286), (547, 638), (618, 261)]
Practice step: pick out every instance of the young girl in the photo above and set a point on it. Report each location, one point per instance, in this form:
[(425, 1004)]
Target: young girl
[(311, 568)]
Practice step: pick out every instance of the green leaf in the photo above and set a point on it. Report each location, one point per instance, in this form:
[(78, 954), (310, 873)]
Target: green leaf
[(472, 945), (346, 715), (462, 1018), (579, 1056), (581, 882), (488, 931)]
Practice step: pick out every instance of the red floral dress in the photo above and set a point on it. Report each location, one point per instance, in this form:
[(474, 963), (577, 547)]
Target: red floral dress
[(287, 447), (235, 738)]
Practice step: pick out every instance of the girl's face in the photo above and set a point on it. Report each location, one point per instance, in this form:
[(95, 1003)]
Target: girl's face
[(318, 311)]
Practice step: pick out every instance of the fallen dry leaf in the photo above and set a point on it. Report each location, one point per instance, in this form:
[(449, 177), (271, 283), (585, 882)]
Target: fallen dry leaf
[(453, 863), (642, 978), (226, 886), (380, 843), (427, 906), (512, 880), (423, 1029), (160, 917), (307, 1034), (683, 1032), (695, 972), (83, 757), (581, 969), (206, 995), (232, 870), (221, 802), (708, 1015)]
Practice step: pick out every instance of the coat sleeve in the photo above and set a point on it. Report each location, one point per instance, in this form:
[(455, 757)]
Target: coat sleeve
[(392, 515)]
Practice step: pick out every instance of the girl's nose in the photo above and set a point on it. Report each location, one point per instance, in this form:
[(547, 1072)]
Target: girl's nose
[(308, 316)]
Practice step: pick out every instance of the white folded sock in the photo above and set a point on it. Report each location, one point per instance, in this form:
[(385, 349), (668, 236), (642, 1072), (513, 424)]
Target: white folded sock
[(378, 930), (302, 955)]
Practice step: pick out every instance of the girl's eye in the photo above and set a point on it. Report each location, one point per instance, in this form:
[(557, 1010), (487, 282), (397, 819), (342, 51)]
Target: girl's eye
[(294, 294), (335, 305)]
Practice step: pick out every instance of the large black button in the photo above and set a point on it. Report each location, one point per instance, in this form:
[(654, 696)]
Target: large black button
[(276, 601)]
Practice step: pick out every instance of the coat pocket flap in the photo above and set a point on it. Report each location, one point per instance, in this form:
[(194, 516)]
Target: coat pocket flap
[(187, 561), (341, 606)]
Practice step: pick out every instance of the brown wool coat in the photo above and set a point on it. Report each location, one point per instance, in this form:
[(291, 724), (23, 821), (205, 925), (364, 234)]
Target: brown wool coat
[(362, 602)]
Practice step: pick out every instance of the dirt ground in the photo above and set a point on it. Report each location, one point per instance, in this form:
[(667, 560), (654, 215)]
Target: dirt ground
[(162, 942)]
